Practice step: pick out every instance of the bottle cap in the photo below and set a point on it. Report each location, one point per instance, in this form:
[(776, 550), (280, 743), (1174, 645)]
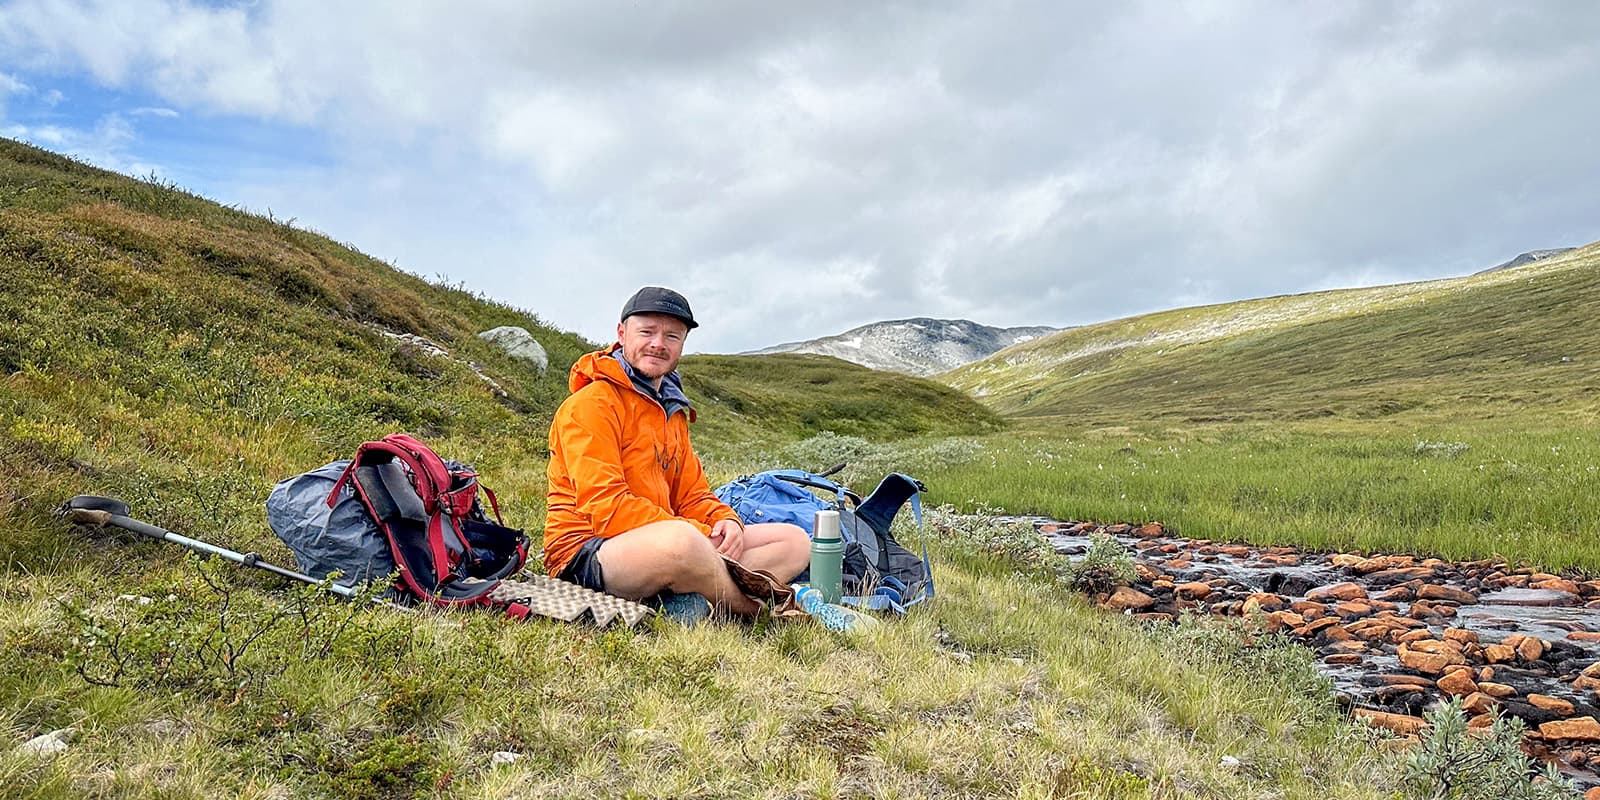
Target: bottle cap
[(827, 528)]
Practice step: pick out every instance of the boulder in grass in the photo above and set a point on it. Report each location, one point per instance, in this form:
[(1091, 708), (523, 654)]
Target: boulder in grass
[(46, 745), (518, 343)]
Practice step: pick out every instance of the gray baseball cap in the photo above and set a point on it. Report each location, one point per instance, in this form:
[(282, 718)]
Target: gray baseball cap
[(659, 300)]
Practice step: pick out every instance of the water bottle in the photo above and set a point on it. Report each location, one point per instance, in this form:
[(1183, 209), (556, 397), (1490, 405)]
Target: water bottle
[(827, 557), (833, 617)]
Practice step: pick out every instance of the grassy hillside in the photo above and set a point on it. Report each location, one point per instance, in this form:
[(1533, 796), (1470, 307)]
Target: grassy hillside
[(1498, 343), (183, 356), (787, 396)]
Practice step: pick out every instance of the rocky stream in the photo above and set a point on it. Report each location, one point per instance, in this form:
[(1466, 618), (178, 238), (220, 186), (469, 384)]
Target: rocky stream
[(1396, 634)]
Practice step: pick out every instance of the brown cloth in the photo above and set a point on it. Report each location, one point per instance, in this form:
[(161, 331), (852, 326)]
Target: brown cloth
[(762, 587)]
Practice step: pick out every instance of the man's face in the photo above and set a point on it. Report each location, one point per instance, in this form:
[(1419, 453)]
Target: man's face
[(652, 343)]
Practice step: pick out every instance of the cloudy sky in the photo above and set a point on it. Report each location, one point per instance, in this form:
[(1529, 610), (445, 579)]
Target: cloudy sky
[(798, 169)]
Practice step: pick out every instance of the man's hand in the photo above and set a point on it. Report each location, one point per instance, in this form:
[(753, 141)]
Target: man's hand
[(728, 536)]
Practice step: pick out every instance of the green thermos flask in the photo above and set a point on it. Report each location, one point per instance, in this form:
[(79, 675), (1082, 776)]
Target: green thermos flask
[(827, 557)]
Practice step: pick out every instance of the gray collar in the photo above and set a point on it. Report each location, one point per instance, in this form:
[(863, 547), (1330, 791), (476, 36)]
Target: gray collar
[(670, 397)]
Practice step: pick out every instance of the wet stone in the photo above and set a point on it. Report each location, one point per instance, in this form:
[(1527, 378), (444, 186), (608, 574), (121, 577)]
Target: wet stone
[(1338, 591), (1447, 594)]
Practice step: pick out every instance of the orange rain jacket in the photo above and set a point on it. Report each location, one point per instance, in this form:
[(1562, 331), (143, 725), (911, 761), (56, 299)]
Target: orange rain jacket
[(618, 460)]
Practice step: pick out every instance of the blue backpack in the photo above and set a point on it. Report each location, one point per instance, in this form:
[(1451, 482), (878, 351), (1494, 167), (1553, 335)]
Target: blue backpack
[(879, 573)]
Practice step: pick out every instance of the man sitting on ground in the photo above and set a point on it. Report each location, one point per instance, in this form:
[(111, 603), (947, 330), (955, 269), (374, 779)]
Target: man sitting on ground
[(630, 511)]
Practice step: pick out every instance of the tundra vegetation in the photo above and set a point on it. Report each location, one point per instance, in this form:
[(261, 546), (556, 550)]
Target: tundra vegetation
[(183, 356)]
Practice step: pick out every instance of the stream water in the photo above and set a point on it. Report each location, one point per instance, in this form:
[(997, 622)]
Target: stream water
[(1475, 604)]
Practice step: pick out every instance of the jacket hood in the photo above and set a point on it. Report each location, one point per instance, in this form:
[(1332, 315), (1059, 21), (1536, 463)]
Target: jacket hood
[(598, 366)]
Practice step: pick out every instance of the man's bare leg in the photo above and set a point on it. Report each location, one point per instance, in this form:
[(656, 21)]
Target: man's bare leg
[(781, 549), (670, 555)]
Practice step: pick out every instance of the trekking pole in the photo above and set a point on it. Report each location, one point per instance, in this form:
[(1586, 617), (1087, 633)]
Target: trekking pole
[(103, 511)]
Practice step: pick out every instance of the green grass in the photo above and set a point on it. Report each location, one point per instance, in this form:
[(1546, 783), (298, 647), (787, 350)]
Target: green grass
[(782, 397), (183, 356), (1466, 491)]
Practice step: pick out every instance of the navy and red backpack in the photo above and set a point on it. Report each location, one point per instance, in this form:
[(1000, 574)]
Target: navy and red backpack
[(398, 508)]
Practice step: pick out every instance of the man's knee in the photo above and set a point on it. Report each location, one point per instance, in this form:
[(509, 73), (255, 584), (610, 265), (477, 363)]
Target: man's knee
[(660, 549), (679, 542)]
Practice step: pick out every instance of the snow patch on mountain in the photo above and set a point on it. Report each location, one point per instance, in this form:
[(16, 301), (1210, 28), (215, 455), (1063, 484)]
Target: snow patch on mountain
[(917, 346)]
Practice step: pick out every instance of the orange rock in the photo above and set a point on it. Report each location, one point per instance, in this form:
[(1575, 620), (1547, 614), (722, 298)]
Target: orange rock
[(1335, 633), (1478, 703), (1350, 646), (1380, 563), (1584, 683), (1496, 690), (1513, 640), (1481, 721), (1592, 794), (1461, 635), (1498, 654), (1150, 530), (1352, 610), (1554, 705), (1416, 635), (1318, 624), (1531, 649), (1399, 594), (1338, 591), (1282, 620), (1399, 723), (1447, 594), (1194, 590), (1458, 683), (1396, 679), (1307, 608), (1147, 572), (1436, 646), (1580, 728), (1342, 659), (1558, 584), (1148, 617), (1178, 563), (1584, 636), (1427, 663), (1346, 560), (1263, 601), (1126, 598)]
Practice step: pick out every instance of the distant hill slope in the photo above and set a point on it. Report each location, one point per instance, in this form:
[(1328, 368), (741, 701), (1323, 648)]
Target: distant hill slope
[(1527, 258), (1478, 345), (798, 394), (918, 346)]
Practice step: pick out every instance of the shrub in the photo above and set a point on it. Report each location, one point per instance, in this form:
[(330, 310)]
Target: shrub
[(1106, 566), (1453, 762)]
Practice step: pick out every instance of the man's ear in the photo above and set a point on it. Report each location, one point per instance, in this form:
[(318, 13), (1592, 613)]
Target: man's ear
[(621, 326)]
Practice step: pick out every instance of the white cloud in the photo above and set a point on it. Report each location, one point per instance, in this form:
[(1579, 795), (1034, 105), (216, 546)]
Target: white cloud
[(798, 172)]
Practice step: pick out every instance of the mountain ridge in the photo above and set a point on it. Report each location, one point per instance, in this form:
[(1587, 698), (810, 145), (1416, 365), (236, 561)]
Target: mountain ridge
[(918, 346)]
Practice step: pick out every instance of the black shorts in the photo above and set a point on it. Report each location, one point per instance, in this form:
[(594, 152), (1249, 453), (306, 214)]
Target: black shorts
[(584, 568)]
